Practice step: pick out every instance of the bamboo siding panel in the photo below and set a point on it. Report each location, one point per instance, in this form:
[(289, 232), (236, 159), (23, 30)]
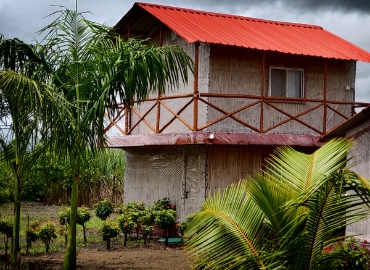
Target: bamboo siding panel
[(239, 71), (152, 173), (234, 71), (227, 165), (361, 153), (340, 75), (177, 104), (361, 161)]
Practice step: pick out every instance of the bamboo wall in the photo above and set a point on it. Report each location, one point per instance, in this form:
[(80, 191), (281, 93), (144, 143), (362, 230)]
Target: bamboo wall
[(153, 173), (239, 71), (361, 161), (227, 165), (177, 104)]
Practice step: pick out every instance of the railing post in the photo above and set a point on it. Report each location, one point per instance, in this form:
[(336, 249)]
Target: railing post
[(325, 97), (127, 107), (126, 118), (196, 92), (159, 93), (262, 90)]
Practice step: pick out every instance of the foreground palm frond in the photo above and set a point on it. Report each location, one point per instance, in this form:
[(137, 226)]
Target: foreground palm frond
[(283, 216)]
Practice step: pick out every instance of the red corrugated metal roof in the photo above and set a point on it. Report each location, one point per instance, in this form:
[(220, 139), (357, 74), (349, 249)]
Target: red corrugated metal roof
[(220, 138), (284, 37)]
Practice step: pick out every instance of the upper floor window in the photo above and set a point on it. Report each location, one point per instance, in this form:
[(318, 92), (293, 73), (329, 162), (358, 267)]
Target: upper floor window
[(286, 82)]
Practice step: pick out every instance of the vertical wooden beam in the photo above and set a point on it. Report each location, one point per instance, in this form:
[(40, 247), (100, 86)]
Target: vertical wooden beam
[(262, 90), (127, 108), (196, 91), (325, 96), (126, 119), (159, 93)]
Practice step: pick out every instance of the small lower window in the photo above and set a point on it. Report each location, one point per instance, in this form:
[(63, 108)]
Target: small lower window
[(286, 82)]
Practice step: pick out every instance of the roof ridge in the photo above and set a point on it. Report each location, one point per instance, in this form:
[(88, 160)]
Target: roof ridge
[(230, 16)]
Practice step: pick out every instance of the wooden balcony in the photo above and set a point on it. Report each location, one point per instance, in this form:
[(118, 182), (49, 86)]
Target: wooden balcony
[(130, 117)]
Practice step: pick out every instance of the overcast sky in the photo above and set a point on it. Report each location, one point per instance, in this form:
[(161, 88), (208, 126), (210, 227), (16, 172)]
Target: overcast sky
[(349, 19)]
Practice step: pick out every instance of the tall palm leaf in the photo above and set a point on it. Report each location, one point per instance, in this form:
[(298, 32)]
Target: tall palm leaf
[(303, 204), (22, 70), (229, 232), (92, 68)]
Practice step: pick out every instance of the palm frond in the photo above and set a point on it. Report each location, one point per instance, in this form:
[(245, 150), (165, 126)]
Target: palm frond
[(228, 233)]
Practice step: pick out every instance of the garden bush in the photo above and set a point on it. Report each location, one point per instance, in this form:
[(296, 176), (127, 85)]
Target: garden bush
[(109, 230), (47, 233), (348, 255), (103, 209), (6, 228), (135, 210), (126, 224), (32, 233), (164, 219)]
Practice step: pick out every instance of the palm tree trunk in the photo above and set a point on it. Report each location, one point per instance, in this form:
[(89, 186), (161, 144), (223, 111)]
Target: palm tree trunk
[(70, 253), (17, 215)]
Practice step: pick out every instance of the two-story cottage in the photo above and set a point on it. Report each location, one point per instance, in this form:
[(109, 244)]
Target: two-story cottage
[(257, 84)]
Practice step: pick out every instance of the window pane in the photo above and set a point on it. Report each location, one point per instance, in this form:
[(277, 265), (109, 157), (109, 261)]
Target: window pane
[(294, 83), (278, 82)]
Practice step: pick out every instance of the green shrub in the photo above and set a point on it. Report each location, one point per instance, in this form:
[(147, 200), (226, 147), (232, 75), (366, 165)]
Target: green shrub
[(135, 210), (64, 215), (165, 203), (32, 234), (109, 230), (349, 255), (103, 209), (147, 230), (47, 233), (164, 219), (126, 225), (6, 228)]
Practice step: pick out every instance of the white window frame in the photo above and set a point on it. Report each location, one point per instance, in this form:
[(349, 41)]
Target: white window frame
[(286, 83)]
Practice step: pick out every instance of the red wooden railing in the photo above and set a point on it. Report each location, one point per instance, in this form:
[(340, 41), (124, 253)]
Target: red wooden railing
[(198, 98)]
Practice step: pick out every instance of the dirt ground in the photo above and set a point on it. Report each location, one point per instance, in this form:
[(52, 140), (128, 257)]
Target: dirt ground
[(138, 258)]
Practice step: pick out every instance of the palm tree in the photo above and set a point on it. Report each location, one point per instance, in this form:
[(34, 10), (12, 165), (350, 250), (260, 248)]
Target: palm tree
[(21, 96), (282, 216), (93, 67)]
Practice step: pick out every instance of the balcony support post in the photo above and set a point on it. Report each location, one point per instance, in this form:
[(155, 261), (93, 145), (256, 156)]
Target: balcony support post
[(325, 95), (262, 90), (157, 122), (196, 91)]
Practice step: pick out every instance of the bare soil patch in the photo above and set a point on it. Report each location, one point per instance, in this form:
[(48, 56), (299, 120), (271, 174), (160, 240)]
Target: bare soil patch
[(123, 258)]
